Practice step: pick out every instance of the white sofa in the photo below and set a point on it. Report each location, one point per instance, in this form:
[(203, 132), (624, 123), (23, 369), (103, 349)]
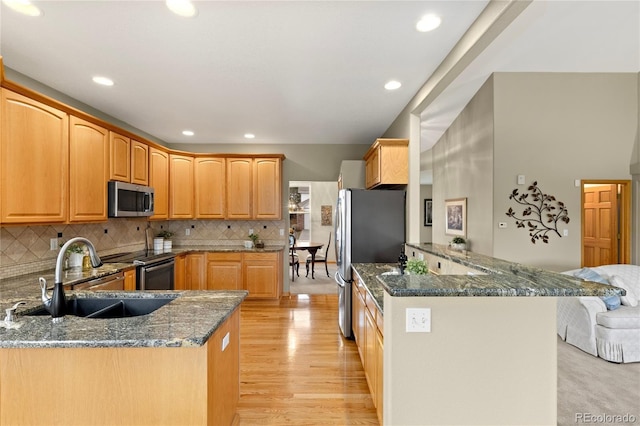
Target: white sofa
[(586, 323)]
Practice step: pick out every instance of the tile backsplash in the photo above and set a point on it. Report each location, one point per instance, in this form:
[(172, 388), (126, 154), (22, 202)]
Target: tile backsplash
[(26, 249)]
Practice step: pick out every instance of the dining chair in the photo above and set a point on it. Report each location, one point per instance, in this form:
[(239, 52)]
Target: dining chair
[(294, 261), (320, 258)]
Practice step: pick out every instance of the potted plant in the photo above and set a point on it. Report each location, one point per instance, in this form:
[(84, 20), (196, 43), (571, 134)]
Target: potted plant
[(166, 236), (75, 253), (458, 243), (255, 240), (417, 267)]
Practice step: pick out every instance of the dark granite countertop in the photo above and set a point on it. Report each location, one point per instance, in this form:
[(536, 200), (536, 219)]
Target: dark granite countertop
[(501, 278)]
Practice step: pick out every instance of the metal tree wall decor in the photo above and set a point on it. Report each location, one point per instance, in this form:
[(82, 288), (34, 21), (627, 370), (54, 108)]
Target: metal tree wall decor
[(541, 213)]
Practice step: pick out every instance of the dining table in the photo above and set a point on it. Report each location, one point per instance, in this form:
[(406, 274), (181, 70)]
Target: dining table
[(312, 248)]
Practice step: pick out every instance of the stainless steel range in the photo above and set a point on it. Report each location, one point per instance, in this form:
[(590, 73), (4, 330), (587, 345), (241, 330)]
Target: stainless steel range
[(155, 271)]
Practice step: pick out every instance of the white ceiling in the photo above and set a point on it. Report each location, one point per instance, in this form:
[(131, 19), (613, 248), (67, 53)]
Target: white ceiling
[(287, 71)]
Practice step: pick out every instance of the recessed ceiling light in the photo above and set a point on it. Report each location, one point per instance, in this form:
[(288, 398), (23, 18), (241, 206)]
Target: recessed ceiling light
[(428, 22), (23, 6), (188, 132), (183, 8), (249, 135), (104, 81), (392, 85)]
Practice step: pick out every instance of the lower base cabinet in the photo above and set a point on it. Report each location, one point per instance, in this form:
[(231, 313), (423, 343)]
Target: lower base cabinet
[(124, 386), (261, 275)]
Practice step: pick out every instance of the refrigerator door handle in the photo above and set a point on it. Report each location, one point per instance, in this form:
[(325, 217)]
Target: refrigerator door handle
[(339, 279)]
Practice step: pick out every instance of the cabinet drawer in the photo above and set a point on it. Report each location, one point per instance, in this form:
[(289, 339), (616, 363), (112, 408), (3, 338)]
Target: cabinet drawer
[(260, 256), (230, 257)]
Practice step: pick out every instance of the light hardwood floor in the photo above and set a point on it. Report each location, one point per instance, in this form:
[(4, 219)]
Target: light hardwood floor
[(297, 369)]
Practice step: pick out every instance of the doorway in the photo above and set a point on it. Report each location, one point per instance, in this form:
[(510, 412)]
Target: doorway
[(606, 222)]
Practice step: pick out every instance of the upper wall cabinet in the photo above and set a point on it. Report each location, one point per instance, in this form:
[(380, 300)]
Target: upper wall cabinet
[(34, 161), (88, 171), (139, 163), (120, 157), (210, 190), (239, 188), (387, 163), (267, 188), (159, 181), (181, 205)]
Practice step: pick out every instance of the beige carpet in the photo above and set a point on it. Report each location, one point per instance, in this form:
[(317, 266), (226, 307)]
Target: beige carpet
[(590, 386), (320, 285)]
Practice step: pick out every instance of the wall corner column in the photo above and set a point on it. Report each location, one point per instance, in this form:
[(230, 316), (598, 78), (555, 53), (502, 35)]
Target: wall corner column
[(413, 188)]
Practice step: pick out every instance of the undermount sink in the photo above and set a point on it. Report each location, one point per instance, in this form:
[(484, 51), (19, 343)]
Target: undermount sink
[(110, 307)]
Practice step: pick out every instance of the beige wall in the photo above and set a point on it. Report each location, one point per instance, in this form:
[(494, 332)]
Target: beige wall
[(426, 191), (463, 168), (556, 128)]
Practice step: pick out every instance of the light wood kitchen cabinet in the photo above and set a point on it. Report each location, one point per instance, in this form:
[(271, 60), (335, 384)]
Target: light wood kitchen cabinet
[(195, 276), (210, 187), (34, 161), (181, 203), (139, 163), (261, 274), (370, 356), (159, 181), (379, 374), (267, 188), (130, 280), (224, 271), (239, 188), (180, 273), (120, 147), (387, 163), (88, 171)]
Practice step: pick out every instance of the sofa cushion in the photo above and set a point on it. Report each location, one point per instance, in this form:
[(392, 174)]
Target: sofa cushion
[(588, 274), (631, 298), (625, 317)]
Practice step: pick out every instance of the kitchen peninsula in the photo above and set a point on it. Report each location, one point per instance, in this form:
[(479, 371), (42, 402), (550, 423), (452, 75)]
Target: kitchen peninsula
[(176, 365), (492, 342)]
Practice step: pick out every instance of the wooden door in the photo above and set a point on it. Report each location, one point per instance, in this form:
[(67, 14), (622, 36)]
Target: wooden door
[(139, 163), (267, 189), (600, 225), (120, 157), (34, 161), (159, 181), (239, 188), (224, 271), (181, 187), (88, 171), (210, 189)]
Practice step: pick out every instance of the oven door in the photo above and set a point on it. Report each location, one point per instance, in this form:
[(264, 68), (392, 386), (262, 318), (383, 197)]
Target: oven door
[(157, 276)]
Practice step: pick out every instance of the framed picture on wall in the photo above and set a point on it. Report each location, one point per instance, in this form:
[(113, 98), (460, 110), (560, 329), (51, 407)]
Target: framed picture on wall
[(456, 217), (428, 212)]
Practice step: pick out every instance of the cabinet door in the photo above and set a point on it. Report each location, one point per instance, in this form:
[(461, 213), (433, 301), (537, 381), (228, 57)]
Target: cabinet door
[(359, 328), (180, 187), (210, 187), (370, 356), (261, 275), (223, 349), (239, 188), (139, 163), (372, 168), (224, 271), (180, 273), (120, 157), (159, 181), (267, 188), (130, 280), (379, 375), (88, 171), (34, 161), (195, 272)]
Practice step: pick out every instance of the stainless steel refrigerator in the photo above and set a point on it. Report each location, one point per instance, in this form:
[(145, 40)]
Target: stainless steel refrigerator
[(369, 228)]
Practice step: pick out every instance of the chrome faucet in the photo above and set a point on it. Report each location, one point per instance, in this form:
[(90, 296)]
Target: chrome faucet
[(56, 304)]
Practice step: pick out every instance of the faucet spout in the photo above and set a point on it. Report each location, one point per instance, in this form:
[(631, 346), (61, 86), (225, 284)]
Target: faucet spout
[(56, 304)]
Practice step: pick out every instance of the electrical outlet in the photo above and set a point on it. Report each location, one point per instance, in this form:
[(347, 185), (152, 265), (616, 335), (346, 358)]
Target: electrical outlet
[(502, 225), (250, 231), (53, 244), (282, 232), (421, 256), (187, 231), (520, 179), (418, 320), (225, 341), (565, 232)]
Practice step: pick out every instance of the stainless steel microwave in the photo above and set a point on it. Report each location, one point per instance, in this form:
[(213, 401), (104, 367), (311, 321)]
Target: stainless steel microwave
[(130, 200)]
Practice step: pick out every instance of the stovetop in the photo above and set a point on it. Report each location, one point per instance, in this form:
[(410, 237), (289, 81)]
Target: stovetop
[(142, 257)]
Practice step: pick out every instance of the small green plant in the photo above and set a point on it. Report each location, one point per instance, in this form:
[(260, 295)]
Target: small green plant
[(254, 237), (74, 248), (458, 240), (417, 266), (165, 234)]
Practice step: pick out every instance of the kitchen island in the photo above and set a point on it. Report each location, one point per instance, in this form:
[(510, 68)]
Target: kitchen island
[(177, 365), (490, 354)]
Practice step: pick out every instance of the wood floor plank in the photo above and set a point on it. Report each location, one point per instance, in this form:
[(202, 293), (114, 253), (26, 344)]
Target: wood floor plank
[(297, 369)]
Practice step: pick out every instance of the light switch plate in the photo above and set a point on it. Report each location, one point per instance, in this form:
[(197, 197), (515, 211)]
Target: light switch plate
[(225, 341), (520, 179)]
